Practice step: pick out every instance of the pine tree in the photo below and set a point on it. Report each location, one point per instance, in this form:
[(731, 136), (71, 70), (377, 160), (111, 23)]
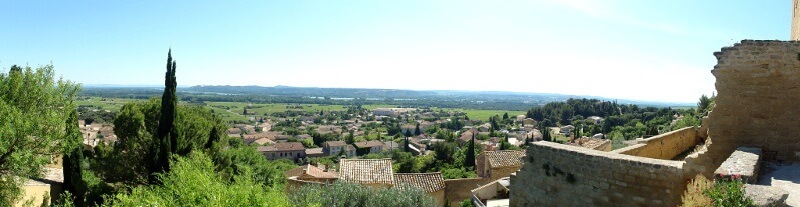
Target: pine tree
[(505, 116), (417, 131), (469, 161), (245, 111), (408, 133), (73, 172)]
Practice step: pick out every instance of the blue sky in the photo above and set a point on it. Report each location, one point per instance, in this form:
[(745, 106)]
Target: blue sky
[(633, 49)]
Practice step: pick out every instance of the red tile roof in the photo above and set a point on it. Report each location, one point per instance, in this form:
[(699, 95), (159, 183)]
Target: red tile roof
[(366, 171), (428, 182)]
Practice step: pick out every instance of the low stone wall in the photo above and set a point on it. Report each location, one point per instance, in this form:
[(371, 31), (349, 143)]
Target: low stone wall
[(744, 163), (292, 183), (665, 146), (458, 190), (562, 175)]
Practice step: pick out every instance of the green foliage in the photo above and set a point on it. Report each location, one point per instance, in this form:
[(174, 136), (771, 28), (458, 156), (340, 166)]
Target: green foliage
[(34, 107), (704, 105), (72, 162), (131, 160), (192, 181), (728, 193), (469, 160), (466, 203), (355, 195), (456, 173), (239, 161)]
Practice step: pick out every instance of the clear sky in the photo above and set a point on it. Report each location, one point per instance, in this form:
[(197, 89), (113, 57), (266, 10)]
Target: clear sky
[(633, 49)]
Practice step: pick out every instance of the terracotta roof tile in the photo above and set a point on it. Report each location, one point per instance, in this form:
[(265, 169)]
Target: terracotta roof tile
[(428, 182), (366, 171), (283, 146), (366, 144), (505, 158), (335, 143)]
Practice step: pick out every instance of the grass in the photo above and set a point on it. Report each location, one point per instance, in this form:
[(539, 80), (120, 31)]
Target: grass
[(485, 114)]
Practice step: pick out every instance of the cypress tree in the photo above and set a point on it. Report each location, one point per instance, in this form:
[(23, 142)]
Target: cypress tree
[(527, 140), (469, 161), (212, 137), (407, 147), (417, 131), (166, 134), (73, 172)]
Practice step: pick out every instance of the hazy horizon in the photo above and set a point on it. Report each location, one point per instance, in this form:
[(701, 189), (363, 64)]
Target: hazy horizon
[(636, 50)]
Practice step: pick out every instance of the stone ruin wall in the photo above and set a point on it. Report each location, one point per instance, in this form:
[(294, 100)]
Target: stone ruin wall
[(758, 101), (457, 190), (664, 146), (561, 175), (795, 35)]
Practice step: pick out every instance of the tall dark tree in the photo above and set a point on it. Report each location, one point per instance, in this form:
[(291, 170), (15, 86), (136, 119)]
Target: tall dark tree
[(408, 133), (213, 136), (417, 131), (407, 145), (73, 172), (166, 134), (545, 134), (505, 116), (528, 140), (469, 161)]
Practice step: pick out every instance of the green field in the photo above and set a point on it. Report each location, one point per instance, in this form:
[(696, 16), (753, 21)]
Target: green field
[(232, 111), (111, 104), (485, 114)]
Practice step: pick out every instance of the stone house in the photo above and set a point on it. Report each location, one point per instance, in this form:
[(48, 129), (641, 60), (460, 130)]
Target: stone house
[(498, 164), (333, 148), (284, 150), (369, 147)]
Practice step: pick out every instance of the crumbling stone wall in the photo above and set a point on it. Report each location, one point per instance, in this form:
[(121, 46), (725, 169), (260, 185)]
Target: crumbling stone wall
[(664, 146), (758, 101), (457, 190), (561, 175)]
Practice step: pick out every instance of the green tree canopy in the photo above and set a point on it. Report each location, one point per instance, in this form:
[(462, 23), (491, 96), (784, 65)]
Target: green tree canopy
[(136, 126), (34, 107)]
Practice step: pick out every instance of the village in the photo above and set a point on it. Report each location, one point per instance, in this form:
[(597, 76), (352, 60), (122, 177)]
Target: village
[(355, 145)]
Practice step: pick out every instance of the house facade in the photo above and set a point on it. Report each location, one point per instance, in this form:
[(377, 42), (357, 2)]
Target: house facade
[(284, 150)]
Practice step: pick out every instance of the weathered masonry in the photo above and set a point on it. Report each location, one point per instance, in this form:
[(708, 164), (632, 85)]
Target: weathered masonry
[(758, 85)]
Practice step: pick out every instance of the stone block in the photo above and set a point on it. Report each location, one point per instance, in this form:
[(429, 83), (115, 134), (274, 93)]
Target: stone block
[(766, 195), (743, 163)]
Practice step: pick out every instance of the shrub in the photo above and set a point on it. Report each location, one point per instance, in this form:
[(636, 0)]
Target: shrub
[(355, 195), (193, 182), (722, 192), (728, 193)]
